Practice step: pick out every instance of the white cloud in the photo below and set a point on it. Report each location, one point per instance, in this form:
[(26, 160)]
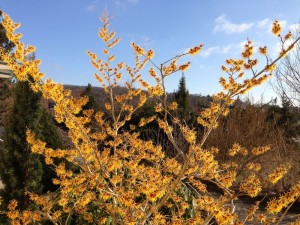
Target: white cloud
[(226, 26), (268, 23), (283, 23), (133, 1), (123, 3), (231, 49), (265, 23), (278, 47), (140, 39), (217, 50), (210, 51), (93, 6), (119, 4), (294, 27), (222, 24), (146, 42)]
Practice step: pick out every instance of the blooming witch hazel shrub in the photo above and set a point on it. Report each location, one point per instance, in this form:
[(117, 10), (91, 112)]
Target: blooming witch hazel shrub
[(121, 178)]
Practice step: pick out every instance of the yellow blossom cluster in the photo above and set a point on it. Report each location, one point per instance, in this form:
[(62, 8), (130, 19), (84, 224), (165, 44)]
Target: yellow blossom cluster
[(184, 67), (263, 50), (189, 135), (144, 121), (276, 28), (236, 148), (249, 49), (254, 166), (260, 150), (137, 49), (276, 205), (278, 173), (251, 186), (227, 179), (195, 50), (173, 105), (221, 214)]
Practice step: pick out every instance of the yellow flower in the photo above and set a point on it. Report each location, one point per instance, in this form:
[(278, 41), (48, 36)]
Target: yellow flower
[(173, 106), (278, 173), (144, 83), (88, 217), (236, 148), (107, 106), (150, 54), (248, 50), (184, 67), (253, 166), (152, 72), (224, 69), (261, 218), (137, 49), (121, 65), (251, 186), (270, 68), (288, 36), (276, 28), (263, 50), (195, 50), (105, 51), (12, 205), (260, 150), (227, 179)]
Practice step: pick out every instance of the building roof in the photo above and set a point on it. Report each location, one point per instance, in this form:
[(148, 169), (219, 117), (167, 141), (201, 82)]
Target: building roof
[(5, 71)]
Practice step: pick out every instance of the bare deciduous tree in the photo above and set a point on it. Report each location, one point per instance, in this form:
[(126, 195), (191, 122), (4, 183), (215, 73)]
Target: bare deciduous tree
[(287, 82)]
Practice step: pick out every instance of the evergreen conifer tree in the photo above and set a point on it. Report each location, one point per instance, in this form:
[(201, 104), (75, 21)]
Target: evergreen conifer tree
[(91, 104), (5, 100), (21, 170), (182, 97)]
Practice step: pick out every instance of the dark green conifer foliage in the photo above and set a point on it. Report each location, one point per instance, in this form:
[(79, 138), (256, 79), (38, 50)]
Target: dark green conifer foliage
[(5, 100), (5, 94), (5, 45), (182, 97), (91, 104), (21, 170)]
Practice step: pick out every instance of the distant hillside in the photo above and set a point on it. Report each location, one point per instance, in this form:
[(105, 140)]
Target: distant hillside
[(197, 101)]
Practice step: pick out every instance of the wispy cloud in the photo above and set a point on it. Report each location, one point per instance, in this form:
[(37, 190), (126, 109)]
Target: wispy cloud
[(226, 26), (218, 50), (94, 6), (222, 24), (123, 3), (264, 23), (141, 39), (134, 1), (146, 41), (277, 48), (294, 27), (233, 48)]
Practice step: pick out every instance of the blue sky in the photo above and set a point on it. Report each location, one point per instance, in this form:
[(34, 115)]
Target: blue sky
[(62, 31)]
